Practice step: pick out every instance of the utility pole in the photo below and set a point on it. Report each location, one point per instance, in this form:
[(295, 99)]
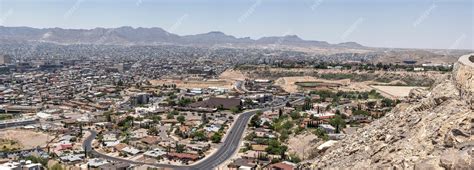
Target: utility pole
[(85, 151)]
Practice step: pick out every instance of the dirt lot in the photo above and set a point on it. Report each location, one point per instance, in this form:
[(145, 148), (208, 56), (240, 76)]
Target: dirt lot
[(231, 74), (26, 138)]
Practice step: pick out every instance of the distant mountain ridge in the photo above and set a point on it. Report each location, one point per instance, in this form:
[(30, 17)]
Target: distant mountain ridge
[(149, 36)]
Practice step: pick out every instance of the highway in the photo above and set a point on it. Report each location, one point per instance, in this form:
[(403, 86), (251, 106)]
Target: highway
[(224, 152)]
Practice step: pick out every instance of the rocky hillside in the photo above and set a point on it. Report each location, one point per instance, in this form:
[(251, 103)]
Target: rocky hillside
[(433, 132)]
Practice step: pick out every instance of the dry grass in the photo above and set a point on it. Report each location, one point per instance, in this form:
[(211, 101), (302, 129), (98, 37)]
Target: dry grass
[(27, 139), (9, 145)]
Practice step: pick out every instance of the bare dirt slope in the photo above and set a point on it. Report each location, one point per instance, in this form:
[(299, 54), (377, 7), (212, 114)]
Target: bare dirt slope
[(28, 139)]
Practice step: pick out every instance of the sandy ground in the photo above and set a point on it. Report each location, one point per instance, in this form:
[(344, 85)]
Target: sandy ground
[(395, 91), (195, 84), (231, 74), (302, 144), (288, 83), (28, 139)]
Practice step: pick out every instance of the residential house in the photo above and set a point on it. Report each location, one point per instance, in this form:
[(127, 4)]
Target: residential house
[(183, 156), (213, 128), (130, 150), (139, 133), (71, 158), (96, 162), (155, 153), (327, 127), (242, 164), (264, 133), (150, 140), (285, 165)]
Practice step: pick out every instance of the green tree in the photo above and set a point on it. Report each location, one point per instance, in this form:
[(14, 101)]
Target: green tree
[(156, 118), (284, 135), (248, 101), (321, 134), (337, 122), (174, 112), (181, 119), (276, 148), (216, 138), (184, 101), (255, 121), (294, 158), (251, 136), (295, 115), (153, 131), (39, 160), (180, 148), (387, 102), (199, 136), (235, 110), (307, 104), (170, 116)]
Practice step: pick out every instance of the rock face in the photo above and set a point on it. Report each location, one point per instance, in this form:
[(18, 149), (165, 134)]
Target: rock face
[(435, 132), (464, 76)]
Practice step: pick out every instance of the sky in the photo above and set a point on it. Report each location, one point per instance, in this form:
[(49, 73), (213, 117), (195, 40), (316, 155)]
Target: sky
[(436, 24)]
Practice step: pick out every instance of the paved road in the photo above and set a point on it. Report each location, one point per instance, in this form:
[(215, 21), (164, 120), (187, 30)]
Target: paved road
[(230, 145), (225, 151)]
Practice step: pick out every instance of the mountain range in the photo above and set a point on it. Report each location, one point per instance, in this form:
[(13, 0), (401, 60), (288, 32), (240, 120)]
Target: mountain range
[(151, 36)]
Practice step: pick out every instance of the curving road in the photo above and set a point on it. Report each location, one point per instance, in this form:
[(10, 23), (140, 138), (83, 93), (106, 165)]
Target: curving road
[(225, 151)]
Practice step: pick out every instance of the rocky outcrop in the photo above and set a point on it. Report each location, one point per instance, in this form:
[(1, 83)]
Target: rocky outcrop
[(463, 76), (435, 132)]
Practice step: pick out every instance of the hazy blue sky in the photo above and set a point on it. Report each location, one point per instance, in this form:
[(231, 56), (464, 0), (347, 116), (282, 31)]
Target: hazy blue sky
[(383, 23)]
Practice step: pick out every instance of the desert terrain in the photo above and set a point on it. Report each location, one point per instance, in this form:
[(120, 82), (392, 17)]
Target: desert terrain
[(26, 139)]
